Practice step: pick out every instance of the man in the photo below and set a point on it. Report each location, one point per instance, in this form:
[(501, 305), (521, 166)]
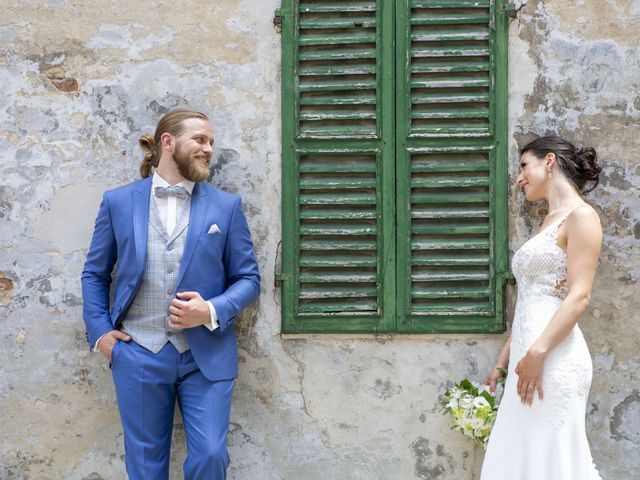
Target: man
[(185, 270)]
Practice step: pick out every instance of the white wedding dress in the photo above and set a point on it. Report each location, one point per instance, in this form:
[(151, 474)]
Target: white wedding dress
[(547, 440)]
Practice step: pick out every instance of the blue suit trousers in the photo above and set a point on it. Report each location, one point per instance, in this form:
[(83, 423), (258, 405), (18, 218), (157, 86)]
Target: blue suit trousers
[(147, 386)]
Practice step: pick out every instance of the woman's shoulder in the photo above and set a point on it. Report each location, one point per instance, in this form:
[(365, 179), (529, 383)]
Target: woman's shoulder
[(583, 220)]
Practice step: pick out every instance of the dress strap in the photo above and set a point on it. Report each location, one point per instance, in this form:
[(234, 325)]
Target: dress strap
[(562, 219), (553, 228)]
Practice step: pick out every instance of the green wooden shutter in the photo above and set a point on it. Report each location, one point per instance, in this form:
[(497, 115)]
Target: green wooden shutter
[(451, 122), (338, 166)]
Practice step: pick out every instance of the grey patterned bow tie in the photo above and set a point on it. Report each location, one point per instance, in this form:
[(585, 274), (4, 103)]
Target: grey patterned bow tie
[(176, 190)]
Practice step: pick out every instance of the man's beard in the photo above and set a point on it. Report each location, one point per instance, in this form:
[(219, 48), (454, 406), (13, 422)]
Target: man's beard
[(189, 168)]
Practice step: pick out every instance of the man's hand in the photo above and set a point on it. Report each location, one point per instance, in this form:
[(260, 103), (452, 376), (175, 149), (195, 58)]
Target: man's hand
[(108, 340), (188, 313)]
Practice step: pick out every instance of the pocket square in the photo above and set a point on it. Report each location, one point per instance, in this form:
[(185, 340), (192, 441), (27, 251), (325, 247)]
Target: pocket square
[(213, 229)]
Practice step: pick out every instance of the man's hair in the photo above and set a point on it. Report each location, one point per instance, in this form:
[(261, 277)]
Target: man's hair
[(171, 123)]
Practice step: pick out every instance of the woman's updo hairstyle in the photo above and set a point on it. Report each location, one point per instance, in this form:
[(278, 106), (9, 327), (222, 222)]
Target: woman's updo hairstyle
[(171, 123), (579, 165)]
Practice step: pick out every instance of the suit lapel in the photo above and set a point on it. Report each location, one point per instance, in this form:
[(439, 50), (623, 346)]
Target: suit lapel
[(196, 220), (140, 199)]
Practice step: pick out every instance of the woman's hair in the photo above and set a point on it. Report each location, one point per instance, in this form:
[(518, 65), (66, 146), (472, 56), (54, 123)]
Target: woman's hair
[(580, 165), (171, 123)]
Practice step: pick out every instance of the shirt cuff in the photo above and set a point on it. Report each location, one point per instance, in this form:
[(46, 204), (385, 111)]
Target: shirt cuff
[(95, 346), (214, 318)]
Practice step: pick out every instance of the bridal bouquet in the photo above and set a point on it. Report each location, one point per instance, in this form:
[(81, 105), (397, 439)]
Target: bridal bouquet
[(473, 409)]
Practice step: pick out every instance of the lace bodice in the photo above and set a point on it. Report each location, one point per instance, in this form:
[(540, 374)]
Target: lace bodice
[(540, 265)]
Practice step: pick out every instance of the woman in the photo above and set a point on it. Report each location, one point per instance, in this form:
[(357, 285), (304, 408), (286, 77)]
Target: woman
[(539, 433)]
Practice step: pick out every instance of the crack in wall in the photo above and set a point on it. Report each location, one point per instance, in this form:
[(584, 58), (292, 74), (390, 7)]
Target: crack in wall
[(301, 374)]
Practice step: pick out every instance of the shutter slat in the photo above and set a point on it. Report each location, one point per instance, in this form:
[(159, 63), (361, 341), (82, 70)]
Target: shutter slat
[(450, 166), (460, 131), (349, 131), (350, 214), (450, 82), (450, 97), (336, 85), (461, 211), (355, 198), (435, 18), (451, 308), (342, 54), (450, 243), (450, 197), (337, 291), (337, 115), (335, 277), (337, 39), (356, 305), (332, 167), (332, 7), (336, 230), (326, 183), (450, 3), (439, 66), (451, 258), (458, 113), (348, 22), (449, 35), (337, 245), (450, 276), (450, 51), (449, 292), (443, 182), (349, 69), (344, 261), (340, 99), (450, 229)]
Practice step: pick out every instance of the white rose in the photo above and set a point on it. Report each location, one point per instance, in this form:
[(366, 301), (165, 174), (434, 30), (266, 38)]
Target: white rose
[(480, 402)]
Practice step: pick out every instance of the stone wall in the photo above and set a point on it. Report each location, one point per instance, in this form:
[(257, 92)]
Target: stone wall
[(82, 80)]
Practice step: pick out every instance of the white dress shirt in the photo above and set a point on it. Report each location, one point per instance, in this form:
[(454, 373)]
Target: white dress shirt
[(169, 208)]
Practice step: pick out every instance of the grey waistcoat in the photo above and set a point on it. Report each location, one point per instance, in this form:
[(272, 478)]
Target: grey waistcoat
[(147, 320)]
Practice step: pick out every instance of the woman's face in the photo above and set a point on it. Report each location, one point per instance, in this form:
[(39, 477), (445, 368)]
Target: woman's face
[(533, 177)]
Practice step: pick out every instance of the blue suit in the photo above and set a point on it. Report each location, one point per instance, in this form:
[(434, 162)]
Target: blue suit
[(222, 268)]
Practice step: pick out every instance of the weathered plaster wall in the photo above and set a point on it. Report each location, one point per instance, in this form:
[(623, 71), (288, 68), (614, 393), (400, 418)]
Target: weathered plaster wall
[(83, 80)]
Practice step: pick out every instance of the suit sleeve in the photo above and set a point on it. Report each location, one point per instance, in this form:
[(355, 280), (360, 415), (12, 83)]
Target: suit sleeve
[(96, 276), (243, 275)]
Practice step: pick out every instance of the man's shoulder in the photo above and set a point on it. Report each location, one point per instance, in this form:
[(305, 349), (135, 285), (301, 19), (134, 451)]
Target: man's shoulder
[(219, 194), (124, 190)]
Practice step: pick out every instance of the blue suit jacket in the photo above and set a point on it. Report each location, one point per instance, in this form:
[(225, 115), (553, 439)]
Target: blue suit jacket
[(221, 267)]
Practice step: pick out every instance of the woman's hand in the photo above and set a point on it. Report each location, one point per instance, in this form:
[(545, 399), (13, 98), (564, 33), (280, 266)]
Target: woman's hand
[(494, 377), (529, 371)]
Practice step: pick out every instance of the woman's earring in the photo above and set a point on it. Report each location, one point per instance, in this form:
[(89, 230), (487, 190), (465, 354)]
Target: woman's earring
[(549, 173)]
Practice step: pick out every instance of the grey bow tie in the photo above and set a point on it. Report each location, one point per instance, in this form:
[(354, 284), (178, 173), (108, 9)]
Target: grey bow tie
[(176, 190)]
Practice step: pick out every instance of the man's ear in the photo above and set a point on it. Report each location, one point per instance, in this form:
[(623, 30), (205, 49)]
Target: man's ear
[(166, 140)]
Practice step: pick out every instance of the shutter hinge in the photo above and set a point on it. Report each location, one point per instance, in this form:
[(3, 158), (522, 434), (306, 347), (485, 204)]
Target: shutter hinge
[(510, 10), (508, 278), (277, 20)]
